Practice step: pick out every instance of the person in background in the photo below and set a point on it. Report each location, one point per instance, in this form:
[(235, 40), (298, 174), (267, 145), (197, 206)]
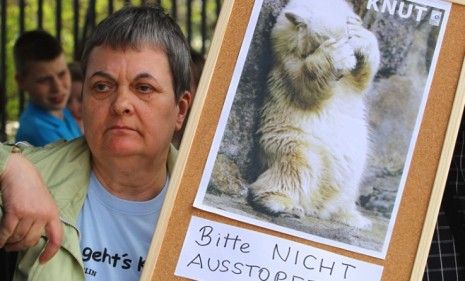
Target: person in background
[(198, 61), (41, 71), (109, 185), (446, 259), (75, 98)]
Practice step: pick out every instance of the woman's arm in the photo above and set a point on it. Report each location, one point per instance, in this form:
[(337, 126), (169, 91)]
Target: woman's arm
[(27, 206)]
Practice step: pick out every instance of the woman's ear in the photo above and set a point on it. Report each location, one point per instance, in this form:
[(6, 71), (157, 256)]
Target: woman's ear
[(184, 103)]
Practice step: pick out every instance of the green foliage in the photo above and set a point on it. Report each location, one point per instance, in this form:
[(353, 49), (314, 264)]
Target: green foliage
[(12, 28)]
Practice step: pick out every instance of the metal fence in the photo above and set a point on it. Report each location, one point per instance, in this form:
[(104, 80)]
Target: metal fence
[(197, 18)]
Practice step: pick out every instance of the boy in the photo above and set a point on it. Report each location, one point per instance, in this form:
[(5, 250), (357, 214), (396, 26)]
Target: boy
[(42, 72)]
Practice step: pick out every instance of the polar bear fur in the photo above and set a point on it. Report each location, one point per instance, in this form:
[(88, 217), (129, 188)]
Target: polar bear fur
[(313, 131)]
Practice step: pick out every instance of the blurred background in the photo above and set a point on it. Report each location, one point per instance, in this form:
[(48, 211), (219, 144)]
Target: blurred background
[(72, 21)]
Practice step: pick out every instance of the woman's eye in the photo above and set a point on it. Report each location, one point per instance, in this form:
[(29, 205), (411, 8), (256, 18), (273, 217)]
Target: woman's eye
[(145, 88), (101, 87)]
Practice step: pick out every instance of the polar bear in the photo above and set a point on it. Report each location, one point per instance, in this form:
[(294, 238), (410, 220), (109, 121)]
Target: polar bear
[(313, 131)]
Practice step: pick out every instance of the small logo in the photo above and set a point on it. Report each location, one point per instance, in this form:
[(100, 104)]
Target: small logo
[(435, 18)]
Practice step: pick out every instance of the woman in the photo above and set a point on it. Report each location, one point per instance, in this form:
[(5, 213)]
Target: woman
[(109, 185)]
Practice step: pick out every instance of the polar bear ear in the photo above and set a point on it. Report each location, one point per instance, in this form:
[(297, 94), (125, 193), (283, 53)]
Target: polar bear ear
[(295, 19)]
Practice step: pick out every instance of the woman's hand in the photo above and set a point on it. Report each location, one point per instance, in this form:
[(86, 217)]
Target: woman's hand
[(28, 209)]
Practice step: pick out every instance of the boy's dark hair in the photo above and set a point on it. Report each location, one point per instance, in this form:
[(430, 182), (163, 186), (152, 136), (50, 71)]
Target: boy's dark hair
[(136, 27), (35, 45)]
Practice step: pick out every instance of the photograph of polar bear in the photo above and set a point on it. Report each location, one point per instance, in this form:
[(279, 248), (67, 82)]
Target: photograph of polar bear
[(317, 139)]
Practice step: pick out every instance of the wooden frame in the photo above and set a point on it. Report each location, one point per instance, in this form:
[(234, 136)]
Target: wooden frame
[(409, 246)]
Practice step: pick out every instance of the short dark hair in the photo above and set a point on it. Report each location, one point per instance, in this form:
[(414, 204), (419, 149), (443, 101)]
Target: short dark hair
[(134, 27), (35, 45), (76, 71), (198, 62)]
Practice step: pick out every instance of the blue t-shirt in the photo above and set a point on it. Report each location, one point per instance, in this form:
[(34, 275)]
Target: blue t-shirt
[(39, 127), (115, 234)]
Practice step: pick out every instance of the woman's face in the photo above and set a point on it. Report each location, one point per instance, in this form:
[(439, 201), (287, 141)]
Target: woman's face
[(129, 106)]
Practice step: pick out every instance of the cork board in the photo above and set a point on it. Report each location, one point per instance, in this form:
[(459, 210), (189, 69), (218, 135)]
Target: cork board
[(414, 225)]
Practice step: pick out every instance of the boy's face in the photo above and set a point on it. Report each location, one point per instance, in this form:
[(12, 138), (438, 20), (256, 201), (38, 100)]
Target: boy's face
[(48, 84), (75, 100)]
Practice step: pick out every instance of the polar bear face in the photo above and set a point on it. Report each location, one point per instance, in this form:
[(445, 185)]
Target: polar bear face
[(304, 25)]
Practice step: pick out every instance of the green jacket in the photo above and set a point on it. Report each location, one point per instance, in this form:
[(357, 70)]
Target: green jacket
[(65, 167)]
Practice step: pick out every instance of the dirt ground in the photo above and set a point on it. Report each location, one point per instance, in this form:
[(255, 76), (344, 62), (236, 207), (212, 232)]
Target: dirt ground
[(367, 239)]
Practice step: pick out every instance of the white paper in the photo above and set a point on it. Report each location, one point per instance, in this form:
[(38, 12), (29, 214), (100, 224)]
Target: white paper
[(216, 251)]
